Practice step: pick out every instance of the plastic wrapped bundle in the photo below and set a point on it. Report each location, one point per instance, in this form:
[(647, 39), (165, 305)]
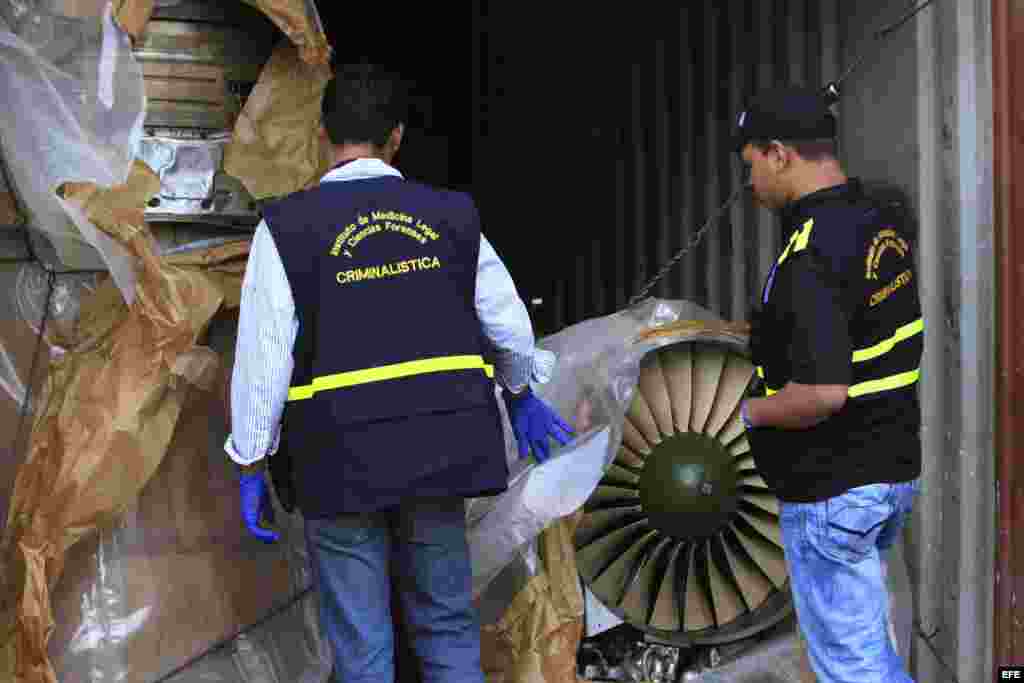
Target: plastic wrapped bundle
[(168, 588), (74, 112), (593, 382)]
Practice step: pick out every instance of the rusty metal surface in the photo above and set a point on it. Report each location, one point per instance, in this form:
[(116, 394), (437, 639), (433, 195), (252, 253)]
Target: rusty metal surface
[(199, 61), (1008, 49), (197, 58)]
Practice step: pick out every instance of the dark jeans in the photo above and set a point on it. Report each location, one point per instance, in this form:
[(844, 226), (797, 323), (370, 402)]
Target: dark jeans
[(425, 541)]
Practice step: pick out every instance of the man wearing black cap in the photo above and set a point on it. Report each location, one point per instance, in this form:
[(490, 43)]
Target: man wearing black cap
[(837, 340)]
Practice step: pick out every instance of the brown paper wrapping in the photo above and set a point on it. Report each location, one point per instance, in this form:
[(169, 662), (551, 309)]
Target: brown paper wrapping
[(185, 558), (298, 20), (537, 638), (107, 414), (276, 148), (19, 341), (133, 15), (8, 209), (223, 265)]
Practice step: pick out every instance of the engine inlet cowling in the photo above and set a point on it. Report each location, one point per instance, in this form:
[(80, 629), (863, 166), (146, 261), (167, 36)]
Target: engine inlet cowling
[(681, 537)]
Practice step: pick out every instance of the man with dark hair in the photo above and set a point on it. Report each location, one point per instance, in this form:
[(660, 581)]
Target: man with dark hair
[(838, 345), (367, 306)]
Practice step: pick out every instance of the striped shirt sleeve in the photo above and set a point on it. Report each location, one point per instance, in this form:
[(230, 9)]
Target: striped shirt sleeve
[(506, 324), (267, 327)]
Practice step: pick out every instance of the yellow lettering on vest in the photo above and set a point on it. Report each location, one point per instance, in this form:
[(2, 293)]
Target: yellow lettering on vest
[(344, 235), (391, 216), (426, 230), (884, 293), (363, 234), (885, 239), (386, 270)]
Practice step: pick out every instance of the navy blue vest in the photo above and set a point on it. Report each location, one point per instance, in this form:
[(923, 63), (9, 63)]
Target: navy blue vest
[(390, 397)]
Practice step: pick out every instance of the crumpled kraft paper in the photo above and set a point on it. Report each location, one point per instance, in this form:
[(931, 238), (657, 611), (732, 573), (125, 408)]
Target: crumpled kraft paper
[(299, 20), (276, 148), (9, 214), (223, 265), (537, 638), (179, 574), (107, 413), (133, 15)]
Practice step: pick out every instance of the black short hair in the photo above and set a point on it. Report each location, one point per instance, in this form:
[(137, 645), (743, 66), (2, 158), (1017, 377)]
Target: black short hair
[(362, 104), (810, 150)]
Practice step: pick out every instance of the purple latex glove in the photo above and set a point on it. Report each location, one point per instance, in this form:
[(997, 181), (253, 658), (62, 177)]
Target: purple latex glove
[(533, 422), (256, 500)]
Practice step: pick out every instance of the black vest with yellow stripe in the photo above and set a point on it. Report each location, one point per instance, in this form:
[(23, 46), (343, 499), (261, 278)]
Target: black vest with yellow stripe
[(388, 357), (866, 246)]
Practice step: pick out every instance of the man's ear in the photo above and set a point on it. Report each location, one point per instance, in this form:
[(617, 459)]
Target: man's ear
[(322, 132), (396, 137), (780, 156)]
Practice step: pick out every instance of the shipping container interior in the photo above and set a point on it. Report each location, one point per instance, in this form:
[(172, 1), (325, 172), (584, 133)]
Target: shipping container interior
[(599, 144), (595, 141)]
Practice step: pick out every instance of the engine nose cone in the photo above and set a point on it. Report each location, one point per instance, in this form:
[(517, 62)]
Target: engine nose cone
[(689, 487)]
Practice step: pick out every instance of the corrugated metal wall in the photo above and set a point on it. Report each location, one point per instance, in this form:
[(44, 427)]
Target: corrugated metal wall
[(671, 163), (916, 114)]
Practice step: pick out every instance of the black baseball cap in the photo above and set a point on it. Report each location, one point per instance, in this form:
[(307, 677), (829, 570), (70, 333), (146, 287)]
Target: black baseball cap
[(790, 113)]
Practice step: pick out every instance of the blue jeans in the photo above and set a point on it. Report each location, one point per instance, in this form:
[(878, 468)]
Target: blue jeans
[(833, 553), (425, 542)]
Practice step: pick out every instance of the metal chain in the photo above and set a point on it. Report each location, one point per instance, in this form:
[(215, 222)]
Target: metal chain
[(832, 90), (688, 247)]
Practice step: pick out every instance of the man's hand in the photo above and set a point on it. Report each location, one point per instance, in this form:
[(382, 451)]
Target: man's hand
[(533, 422), (255, 501)]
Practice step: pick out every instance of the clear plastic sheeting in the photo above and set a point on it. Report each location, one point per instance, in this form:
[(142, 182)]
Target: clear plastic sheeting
[(30, 295), (593, 383), (17, 344), (74, 107), (177, 589), (148, 602)]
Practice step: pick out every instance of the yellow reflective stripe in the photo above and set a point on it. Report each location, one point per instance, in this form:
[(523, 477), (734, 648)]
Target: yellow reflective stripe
[(798, 241), (803, 236), (885, 384), (785, 252), (386, 372), (300, 393), (886, 345), (768, 391)]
